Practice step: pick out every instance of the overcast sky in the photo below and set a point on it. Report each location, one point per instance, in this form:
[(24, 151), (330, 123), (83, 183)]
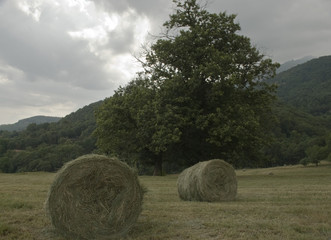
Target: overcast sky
[(57, 56)]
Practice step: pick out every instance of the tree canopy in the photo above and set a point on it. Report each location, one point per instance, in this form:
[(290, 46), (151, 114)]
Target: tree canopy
[(201, 95)]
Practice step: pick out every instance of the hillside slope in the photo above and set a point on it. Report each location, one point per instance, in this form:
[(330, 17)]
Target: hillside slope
[(298, 135), (307, 86), (46, 147), (292, 63)]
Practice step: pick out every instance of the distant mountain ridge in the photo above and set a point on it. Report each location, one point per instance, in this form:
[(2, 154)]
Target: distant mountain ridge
[(293, 63), (24, 123)]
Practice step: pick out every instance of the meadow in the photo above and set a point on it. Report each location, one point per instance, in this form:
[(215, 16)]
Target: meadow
[(292, 202)]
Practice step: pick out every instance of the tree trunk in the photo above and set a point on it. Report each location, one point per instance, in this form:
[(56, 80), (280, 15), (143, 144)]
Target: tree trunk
[(158, 166)]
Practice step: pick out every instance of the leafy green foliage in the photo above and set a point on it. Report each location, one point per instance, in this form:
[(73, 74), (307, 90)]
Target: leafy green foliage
[(296, 134), (201, 95)]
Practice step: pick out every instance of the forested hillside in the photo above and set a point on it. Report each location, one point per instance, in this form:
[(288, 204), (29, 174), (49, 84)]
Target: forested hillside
[(307, 86), (299, 136), (46, 147), (303, 130)]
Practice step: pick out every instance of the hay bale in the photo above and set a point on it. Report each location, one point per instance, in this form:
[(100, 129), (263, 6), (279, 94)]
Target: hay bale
[(210, 181), (94, 197)]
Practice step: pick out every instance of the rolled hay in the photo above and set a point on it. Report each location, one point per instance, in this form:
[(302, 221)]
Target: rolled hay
[(94, 197), (210, 181)]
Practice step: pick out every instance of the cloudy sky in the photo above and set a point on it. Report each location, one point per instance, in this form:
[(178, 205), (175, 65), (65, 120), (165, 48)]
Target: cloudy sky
[(57, 56)]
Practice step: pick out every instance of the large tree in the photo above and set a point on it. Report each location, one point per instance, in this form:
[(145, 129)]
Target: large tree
[(201, 95)]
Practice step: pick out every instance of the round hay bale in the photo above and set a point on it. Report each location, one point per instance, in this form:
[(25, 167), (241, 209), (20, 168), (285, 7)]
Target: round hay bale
[(94, 197), (210, 181)]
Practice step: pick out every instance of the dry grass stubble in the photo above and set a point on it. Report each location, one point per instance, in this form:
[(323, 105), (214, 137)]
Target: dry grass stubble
[(293, 203)]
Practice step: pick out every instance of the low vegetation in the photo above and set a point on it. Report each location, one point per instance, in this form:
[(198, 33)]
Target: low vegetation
[(290, 202)]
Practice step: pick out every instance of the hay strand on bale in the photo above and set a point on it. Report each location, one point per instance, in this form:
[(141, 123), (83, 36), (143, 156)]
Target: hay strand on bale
[(211, 181), (94, 197)]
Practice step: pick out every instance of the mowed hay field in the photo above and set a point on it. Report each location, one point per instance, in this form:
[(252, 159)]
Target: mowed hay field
[(291, 203)]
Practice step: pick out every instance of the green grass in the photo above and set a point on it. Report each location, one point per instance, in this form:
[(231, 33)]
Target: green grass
[(291, 203)]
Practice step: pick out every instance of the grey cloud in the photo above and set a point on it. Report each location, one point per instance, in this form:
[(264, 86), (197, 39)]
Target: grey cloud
[(20, 98), (42, 68), (284, 29), (148, 7), (121, 39), (280, 29), (156, 10), (43, 52), (45, 71)]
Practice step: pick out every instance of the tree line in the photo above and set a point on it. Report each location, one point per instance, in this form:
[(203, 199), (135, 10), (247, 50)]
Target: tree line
[(203, 94)]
